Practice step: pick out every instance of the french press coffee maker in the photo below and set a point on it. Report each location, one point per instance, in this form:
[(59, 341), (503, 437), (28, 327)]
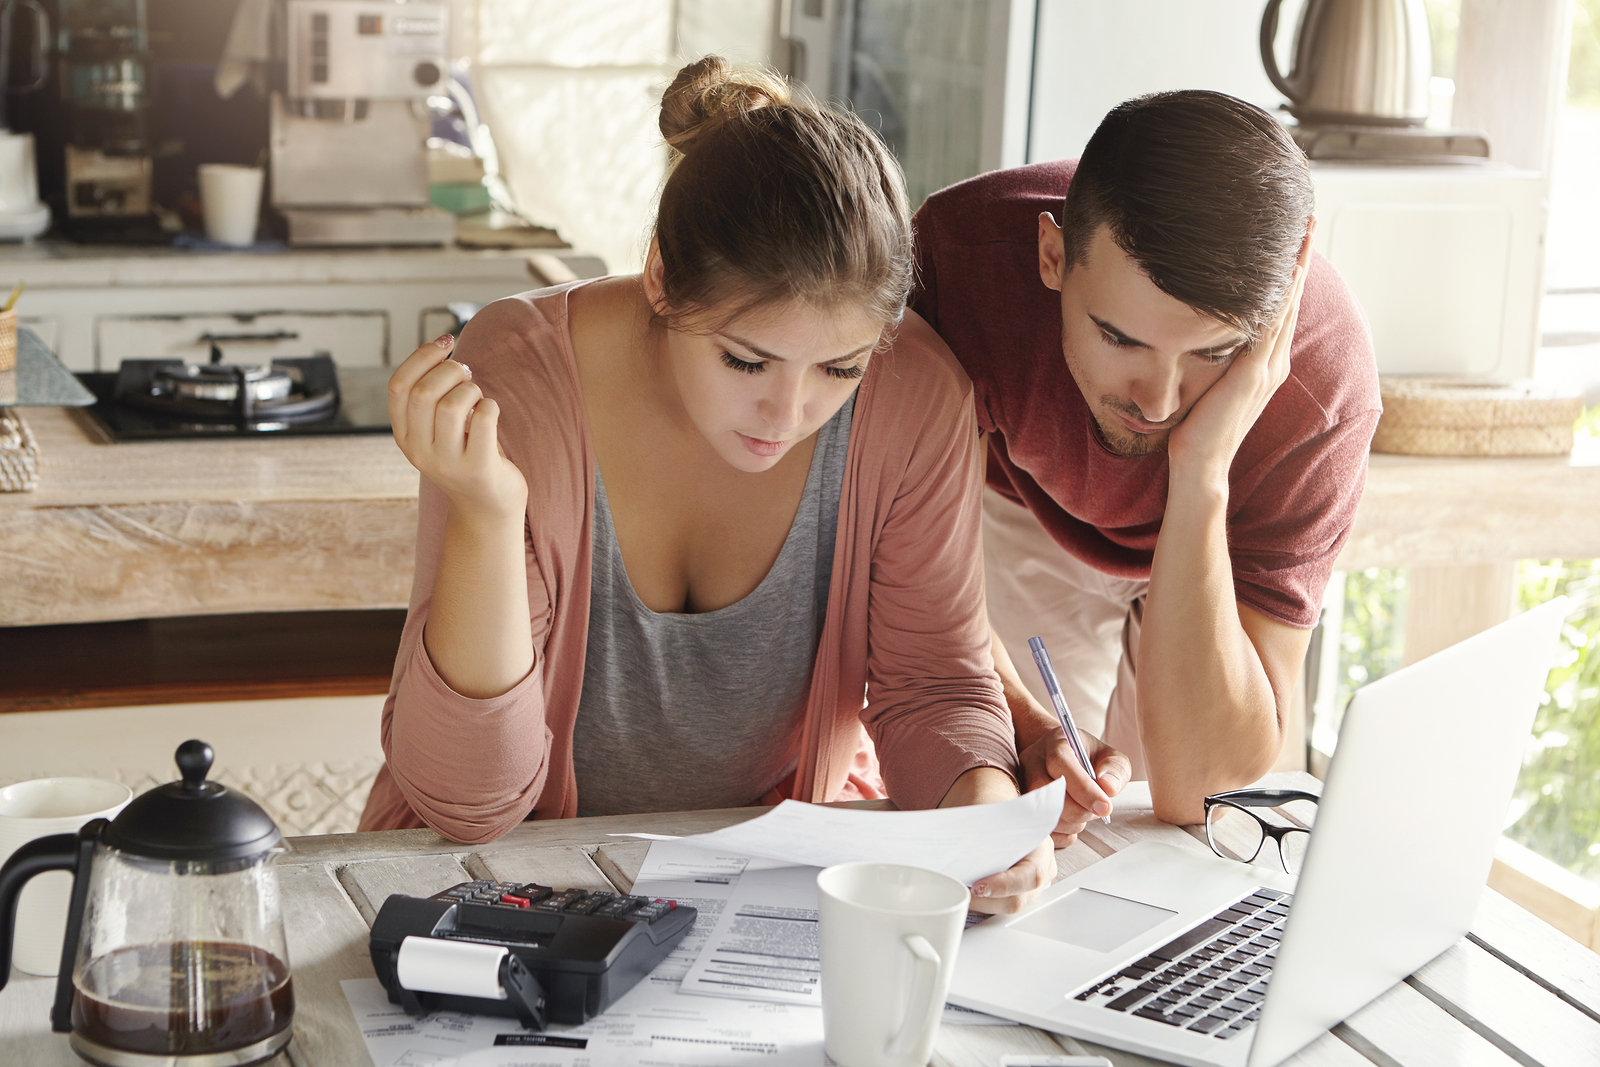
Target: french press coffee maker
[(174, 949)]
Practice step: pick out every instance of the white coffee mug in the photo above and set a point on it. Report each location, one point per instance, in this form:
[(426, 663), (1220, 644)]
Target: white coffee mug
[(230, 200), (888, 938), (35, 809)]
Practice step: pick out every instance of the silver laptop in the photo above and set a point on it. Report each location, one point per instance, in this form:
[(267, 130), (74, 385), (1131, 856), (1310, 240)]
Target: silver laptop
[(1181, 955)]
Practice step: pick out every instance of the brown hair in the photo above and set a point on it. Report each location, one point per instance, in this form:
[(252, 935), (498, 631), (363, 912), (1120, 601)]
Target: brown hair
[(1208, 194), (772, 197)]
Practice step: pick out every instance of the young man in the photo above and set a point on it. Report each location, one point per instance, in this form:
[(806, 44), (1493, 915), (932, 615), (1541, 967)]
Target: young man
[(1178, 397)]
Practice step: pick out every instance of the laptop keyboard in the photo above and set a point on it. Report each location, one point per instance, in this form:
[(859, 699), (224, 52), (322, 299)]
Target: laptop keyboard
[(1212, 979)]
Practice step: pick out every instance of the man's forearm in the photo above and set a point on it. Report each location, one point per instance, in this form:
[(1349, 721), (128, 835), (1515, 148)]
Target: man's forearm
[(1208, 716)]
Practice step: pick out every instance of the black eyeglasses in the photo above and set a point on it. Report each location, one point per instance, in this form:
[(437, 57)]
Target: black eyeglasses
[(1235, 832)]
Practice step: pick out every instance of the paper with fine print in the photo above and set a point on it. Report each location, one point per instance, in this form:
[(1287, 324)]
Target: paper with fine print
[(965, 843), (651, 1022), (762, 943)]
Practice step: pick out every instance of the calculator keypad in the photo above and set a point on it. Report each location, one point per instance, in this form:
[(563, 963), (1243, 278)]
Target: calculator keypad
[(532, 896)]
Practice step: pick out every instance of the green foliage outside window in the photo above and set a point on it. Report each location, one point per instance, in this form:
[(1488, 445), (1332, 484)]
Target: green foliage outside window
[(1583, 71), (1558, 792), (1372, 633), (1559, 788), (1583, 75)]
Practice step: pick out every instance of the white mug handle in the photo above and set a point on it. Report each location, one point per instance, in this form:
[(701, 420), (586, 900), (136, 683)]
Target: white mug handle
[(921, 1006)]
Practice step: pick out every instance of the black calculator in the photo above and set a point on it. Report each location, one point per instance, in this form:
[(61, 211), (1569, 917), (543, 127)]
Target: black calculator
[(568, 953)]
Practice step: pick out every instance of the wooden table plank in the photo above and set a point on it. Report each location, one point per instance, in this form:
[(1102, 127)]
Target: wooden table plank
[(25, 1034), (1540, 951), (586, 833), (621, 861), (369, 883), (327, 944), (558, 866), (1328, 1051), (974, 1046), (1510, 1011), (1409, 1029)]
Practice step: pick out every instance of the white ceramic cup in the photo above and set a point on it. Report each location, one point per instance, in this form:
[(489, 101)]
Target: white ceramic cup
[(230, 200), (888, 938), (35, 809)]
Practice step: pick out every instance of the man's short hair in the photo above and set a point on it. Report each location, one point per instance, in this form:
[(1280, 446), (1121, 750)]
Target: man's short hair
[(1209, 195)]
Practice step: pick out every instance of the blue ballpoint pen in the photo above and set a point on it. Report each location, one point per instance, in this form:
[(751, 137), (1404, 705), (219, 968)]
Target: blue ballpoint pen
[(1053, 686)]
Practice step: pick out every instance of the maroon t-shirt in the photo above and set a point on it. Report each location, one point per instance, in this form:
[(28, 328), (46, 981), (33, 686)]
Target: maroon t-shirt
[(1295, 482)]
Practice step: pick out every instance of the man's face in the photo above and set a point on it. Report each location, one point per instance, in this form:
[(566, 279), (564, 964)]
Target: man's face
[(1141, 358)]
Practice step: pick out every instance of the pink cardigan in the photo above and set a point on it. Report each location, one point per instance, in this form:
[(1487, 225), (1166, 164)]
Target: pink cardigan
[(905, 623)]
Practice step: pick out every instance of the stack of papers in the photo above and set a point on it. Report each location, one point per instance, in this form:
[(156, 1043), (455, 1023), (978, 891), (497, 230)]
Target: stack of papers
[(742, 986)]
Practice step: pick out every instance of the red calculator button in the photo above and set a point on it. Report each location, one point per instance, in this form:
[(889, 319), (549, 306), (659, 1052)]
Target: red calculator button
[(521, 902)]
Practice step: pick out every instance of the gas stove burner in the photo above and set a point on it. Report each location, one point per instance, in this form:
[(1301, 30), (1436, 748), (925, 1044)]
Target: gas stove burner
[(290, 390), (212, 382)]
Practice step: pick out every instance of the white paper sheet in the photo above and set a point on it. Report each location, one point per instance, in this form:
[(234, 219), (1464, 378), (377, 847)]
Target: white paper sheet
[(966, 843), (762, 945), (650, 1022)]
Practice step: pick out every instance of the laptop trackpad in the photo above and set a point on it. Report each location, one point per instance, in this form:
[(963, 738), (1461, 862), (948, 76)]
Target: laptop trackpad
[(1093, 920)]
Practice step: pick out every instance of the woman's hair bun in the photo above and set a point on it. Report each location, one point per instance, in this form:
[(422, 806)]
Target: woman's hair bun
[(711, 89)]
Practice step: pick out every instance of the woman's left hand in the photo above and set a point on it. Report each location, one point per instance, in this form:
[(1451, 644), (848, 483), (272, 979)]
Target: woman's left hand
[(1014, 888)]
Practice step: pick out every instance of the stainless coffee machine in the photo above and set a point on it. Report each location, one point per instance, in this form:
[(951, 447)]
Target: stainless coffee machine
[(349, 130)]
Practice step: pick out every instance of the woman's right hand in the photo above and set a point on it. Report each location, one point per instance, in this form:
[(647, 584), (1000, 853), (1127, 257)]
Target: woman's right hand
[(449, 431)]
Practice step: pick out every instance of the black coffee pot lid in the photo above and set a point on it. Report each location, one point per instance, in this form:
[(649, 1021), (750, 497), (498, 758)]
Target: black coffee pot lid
[(193, 819)]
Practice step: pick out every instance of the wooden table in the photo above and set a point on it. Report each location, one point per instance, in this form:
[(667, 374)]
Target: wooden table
[(1513, 992)]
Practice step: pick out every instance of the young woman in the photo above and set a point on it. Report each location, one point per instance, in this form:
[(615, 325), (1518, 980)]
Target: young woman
[(674, 526)]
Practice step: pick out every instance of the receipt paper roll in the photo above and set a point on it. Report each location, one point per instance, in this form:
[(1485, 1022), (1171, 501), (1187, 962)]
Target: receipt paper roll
[(460, 968)]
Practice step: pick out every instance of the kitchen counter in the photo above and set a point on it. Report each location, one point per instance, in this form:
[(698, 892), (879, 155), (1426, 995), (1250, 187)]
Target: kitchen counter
[(161, 528), (62, 264), (1450, 510), (153, 529)]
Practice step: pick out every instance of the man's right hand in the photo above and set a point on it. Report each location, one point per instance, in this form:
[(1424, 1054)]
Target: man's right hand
[(1051, 757), (448, 430)]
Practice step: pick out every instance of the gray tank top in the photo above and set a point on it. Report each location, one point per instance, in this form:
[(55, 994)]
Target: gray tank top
[(685, 712)]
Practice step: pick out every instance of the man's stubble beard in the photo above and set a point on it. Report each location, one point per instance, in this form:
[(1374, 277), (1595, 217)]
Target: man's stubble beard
[(1118, 439)]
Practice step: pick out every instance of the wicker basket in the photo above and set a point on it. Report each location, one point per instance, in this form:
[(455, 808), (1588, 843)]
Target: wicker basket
[(19, 455), (1461, 417), (8, 339)]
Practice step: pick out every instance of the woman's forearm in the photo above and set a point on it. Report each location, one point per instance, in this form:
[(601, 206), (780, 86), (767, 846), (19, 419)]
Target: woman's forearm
[(478, 635)]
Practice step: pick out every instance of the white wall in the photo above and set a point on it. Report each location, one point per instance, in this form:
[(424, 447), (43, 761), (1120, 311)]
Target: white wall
[(308, 762), (1093, 54), (571, 92)]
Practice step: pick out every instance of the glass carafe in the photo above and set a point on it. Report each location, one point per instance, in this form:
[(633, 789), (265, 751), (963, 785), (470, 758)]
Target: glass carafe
[(180, 958), (175, 932)]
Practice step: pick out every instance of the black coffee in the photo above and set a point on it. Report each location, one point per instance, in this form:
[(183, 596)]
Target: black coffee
[(183, 997)]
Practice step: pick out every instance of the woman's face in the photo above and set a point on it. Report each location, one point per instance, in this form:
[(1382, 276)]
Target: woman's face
[(757, 385)]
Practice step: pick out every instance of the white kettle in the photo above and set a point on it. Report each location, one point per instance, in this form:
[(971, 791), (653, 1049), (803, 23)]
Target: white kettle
[(22, 215), (1356, 62)]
